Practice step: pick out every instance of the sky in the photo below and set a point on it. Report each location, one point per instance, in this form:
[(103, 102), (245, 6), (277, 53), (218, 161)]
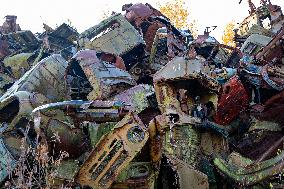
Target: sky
[(83, 14)]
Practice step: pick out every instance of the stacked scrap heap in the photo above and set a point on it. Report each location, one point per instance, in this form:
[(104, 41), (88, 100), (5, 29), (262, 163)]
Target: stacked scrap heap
[(134, 102)]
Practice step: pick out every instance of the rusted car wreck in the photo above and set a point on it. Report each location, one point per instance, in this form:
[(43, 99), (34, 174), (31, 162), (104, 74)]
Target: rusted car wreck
[(134, 102)]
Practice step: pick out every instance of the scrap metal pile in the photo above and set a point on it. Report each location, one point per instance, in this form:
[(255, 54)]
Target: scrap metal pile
[(134, 102)]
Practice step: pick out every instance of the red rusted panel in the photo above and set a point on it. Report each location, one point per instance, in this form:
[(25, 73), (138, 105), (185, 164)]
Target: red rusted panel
[(138, 15), (271, 109), (140, 10), (113, 59), (232, 100), (255, 145), (150, 34)]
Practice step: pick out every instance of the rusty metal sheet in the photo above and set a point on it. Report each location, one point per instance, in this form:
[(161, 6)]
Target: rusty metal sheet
[(179, 68), (114, 35), (7, 161), (140, 16), (188, 177), (276, 17), (158, 57), (272, 107), (66, 171), (176, 40), (10, 25), (113, 153), (254, 43), (262, 138), (274, 77), (136, 97), (267, 76), (16, 109), (61, 40), (19, 64), (65, 31), (5, 83), (136, 175), (21, 41), (149, 35), (179, 137), (46, 77), (249, 173), (70, 140), (114, 59), (212, 143), (140, 10), (105, 78), (232, 101), (43, 83), (273, 50), (204, 40), (60, 124), (4, 48), (78, 111), (182, 69)]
